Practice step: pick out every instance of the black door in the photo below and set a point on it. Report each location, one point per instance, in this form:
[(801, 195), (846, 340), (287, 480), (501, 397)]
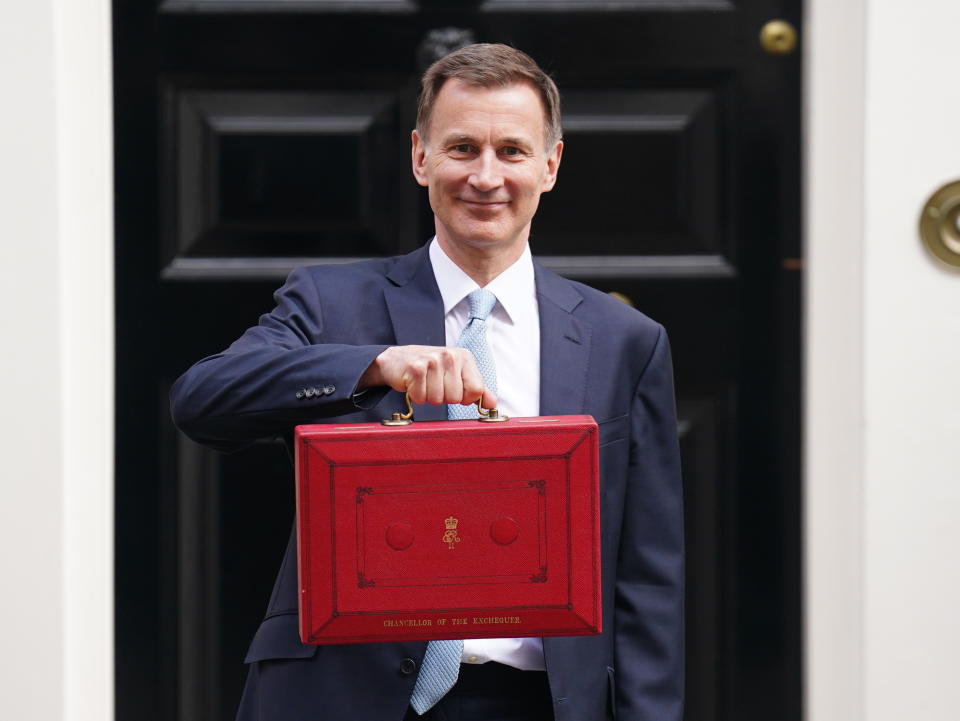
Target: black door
[(253, 135)]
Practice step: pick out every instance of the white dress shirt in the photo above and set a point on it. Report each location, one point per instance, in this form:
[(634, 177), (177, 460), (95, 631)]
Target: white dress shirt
[(513, 336)]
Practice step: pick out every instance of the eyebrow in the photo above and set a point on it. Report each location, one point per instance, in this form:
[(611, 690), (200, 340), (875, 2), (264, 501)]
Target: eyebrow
[(454, 139), (519, 142)]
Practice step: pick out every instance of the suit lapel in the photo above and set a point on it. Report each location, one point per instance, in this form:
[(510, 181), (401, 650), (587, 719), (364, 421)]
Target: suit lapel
[(564, 355), (416, 312), (564, 346)]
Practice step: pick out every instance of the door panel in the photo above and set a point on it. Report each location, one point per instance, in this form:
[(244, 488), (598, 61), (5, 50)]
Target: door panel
[(252, 136), (266, 174)]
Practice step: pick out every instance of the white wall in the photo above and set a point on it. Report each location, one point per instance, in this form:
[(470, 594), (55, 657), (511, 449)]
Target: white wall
[(834, 392), (912, 346), (56, 365), (883, 407)]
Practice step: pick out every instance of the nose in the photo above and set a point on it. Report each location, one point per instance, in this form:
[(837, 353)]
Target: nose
[(486, 175)]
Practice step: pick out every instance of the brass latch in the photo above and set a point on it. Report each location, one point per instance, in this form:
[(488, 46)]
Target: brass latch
[(940, 223)]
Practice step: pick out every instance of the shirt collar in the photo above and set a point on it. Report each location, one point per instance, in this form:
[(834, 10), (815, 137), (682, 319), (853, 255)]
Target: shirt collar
[(515, 287)]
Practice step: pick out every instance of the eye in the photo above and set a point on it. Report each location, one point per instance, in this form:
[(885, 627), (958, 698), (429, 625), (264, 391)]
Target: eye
[(511, 151), (461, 149)]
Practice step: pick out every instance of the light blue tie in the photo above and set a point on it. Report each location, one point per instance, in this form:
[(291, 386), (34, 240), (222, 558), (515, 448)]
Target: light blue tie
[(474, 339), (438, 673), (441, 663)]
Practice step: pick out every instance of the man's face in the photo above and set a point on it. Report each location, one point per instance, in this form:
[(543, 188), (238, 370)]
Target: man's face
[(485, 164)]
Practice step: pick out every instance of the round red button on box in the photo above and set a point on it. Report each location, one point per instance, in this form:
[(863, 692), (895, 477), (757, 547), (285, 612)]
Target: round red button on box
[(400, 536), (504, 530)]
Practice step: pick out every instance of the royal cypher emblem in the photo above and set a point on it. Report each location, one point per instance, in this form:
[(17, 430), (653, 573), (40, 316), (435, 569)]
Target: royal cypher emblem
[(450, 536)]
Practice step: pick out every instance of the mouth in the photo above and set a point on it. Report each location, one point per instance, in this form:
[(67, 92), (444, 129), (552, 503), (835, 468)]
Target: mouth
[(483, 204)]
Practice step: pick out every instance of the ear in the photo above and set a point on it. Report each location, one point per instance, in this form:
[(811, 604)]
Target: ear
[(418, 156), (553, 165)]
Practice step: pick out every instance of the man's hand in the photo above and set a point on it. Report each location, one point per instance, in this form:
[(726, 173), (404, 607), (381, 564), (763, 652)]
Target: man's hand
[(429, 374)]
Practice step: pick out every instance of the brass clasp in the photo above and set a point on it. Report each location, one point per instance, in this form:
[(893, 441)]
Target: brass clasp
[(401, 419), (491, 415)]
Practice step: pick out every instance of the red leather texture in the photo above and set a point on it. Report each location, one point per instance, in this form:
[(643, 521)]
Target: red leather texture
[(448, 529)]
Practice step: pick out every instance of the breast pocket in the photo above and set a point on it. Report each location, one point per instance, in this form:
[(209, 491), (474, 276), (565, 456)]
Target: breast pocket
[(614, 461), (278, 638), (614, 429)]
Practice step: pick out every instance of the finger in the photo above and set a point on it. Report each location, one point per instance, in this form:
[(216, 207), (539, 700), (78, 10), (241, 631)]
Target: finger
[(489, 399), (452, 380), (473, 387), (414, 382), (434, 377)]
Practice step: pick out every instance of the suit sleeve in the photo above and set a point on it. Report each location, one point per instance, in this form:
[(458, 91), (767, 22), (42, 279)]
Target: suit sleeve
[(276, 375), (649, 655)]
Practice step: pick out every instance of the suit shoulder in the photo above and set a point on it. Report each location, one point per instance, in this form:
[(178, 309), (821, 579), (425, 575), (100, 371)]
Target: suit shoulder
[(360, 270), (603, 307), (353, 277)]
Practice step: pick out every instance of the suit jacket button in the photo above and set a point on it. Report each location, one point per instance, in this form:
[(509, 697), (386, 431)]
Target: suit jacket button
[(408, 666), (328, 390), (300, 394)]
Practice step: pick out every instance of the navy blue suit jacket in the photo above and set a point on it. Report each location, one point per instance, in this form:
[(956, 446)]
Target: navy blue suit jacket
[(598, 357)]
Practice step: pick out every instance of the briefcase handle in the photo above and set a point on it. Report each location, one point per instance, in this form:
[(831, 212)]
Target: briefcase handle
[(491, 415)]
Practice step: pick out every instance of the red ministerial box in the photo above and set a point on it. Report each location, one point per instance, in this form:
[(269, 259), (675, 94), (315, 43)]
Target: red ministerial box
[(448, 529)]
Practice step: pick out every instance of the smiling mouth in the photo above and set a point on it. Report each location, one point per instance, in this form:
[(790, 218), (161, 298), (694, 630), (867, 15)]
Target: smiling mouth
[(484, 203)]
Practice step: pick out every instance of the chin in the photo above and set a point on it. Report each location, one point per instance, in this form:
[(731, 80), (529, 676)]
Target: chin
[(485, 241), (483, 236), (478, 234)]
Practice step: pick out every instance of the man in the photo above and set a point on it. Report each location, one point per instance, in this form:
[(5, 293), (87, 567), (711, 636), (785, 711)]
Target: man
[(345, 341)]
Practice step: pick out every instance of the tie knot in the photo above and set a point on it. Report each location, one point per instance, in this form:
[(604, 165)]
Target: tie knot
[(481, 303)]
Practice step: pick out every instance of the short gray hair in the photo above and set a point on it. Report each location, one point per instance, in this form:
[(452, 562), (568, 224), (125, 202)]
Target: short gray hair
[(490, 65)]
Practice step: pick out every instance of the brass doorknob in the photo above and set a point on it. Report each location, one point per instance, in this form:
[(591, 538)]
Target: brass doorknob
[(778, 37), (940, 223)]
